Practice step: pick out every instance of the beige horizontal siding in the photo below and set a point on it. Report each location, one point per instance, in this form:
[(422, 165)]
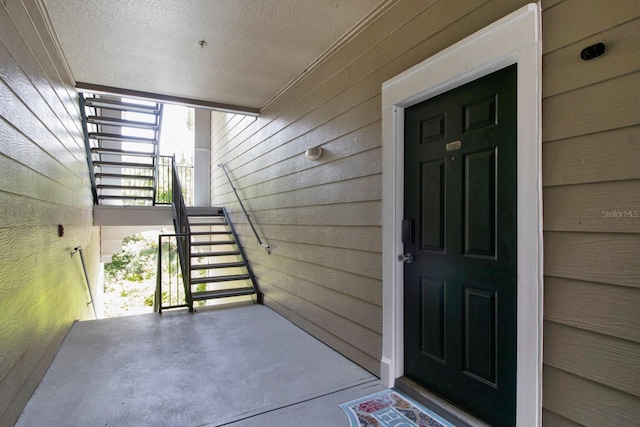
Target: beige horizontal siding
[(588, 158), (44, 182), (591, 214), (612, 207), (597, 357), (552, 419), (323, 218), (607, 309), (587, 402)]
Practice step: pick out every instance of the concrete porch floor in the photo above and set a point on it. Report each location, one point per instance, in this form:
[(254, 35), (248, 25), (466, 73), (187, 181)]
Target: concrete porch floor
[(240, 366)]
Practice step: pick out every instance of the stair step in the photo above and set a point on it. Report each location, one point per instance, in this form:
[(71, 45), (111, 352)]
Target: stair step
[(201, 211), (124, 164), (116, 151), (117, 137), (206, 224), (214, 266), (199, 296), (209, 233), (229, 242), (219, 279), (113, 121), (123, 187), (124, 197), (123, 176), (209, 254), (112, 104)]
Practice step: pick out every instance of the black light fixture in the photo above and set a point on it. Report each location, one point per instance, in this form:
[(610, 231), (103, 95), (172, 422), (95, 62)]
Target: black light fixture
[(202, 43), (592, 51)]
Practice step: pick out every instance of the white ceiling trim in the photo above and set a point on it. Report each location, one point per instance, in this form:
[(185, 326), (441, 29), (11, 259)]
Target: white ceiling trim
[(339, 44), (54, 38)]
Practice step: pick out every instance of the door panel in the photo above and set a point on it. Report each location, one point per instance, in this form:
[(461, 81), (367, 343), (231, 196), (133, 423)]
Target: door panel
[(480, 200), (432, 338), (460, 290), (432, 212), (480, 334)]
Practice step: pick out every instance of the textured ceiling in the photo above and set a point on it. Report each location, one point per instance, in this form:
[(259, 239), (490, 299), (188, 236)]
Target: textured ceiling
[(254, 47)]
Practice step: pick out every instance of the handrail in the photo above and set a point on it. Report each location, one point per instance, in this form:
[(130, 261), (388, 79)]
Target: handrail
[(181, 224), (78, 249), (264, 245), (183, 242), (254, 281)]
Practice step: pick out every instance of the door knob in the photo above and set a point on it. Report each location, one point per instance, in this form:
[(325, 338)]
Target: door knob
[(406, 258)]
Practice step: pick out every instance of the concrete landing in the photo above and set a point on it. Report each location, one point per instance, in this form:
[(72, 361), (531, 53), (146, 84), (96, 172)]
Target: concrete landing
[(241, 366)]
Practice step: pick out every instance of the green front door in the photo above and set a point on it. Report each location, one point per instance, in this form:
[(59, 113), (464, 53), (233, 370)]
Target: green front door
[(460, 228)]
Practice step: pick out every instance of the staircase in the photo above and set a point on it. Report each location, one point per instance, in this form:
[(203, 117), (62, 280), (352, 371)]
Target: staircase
[(122, 151), (218, 266), (122, 148)]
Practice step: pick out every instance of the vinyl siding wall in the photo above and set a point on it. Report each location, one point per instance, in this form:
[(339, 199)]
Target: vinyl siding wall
[(323, 218), (43, 183), (591, 178)]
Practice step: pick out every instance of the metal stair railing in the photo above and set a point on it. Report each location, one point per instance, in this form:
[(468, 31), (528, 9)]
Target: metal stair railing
[(183, 245), (156, 160), (164, 195), (181, 224), (264, 245), (87, 145), (170, 296)]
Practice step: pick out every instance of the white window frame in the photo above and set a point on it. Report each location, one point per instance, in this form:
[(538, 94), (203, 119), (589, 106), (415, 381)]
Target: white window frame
[(514, 39)]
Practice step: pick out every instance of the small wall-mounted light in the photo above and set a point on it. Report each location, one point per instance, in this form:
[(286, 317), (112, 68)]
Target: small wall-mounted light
[(592, 51), (60, 230), (202, 43), (313, 153)]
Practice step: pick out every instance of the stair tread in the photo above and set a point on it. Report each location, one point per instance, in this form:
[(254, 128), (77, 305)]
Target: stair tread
[(205, 211), (209, 243), (217, 279), (209, 254), (123, 164), (117, 137), (117, 151), (206, 224), (199, 296), (214, 266), (123, 175), (123, 187), (119, 197), (210, 233), (115, 121), (113, 104)]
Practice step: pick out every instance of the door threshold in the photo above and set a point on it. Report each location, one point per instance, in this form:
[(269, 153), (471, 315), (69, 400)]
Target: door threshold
[(445, 409)]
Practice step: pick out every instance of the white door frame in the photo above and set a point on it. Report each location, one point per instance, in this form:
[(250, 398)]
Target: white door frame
[(513, 39)]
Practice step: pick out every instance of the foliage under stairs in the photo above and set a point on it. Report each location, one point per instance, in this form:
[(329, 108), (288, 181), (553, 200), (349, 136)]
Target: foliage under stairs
[(121, 138)]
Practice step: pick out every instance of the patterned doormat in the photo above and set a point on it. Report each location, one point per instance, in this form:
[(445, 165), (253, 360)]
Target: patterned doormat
[(390, 408)]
